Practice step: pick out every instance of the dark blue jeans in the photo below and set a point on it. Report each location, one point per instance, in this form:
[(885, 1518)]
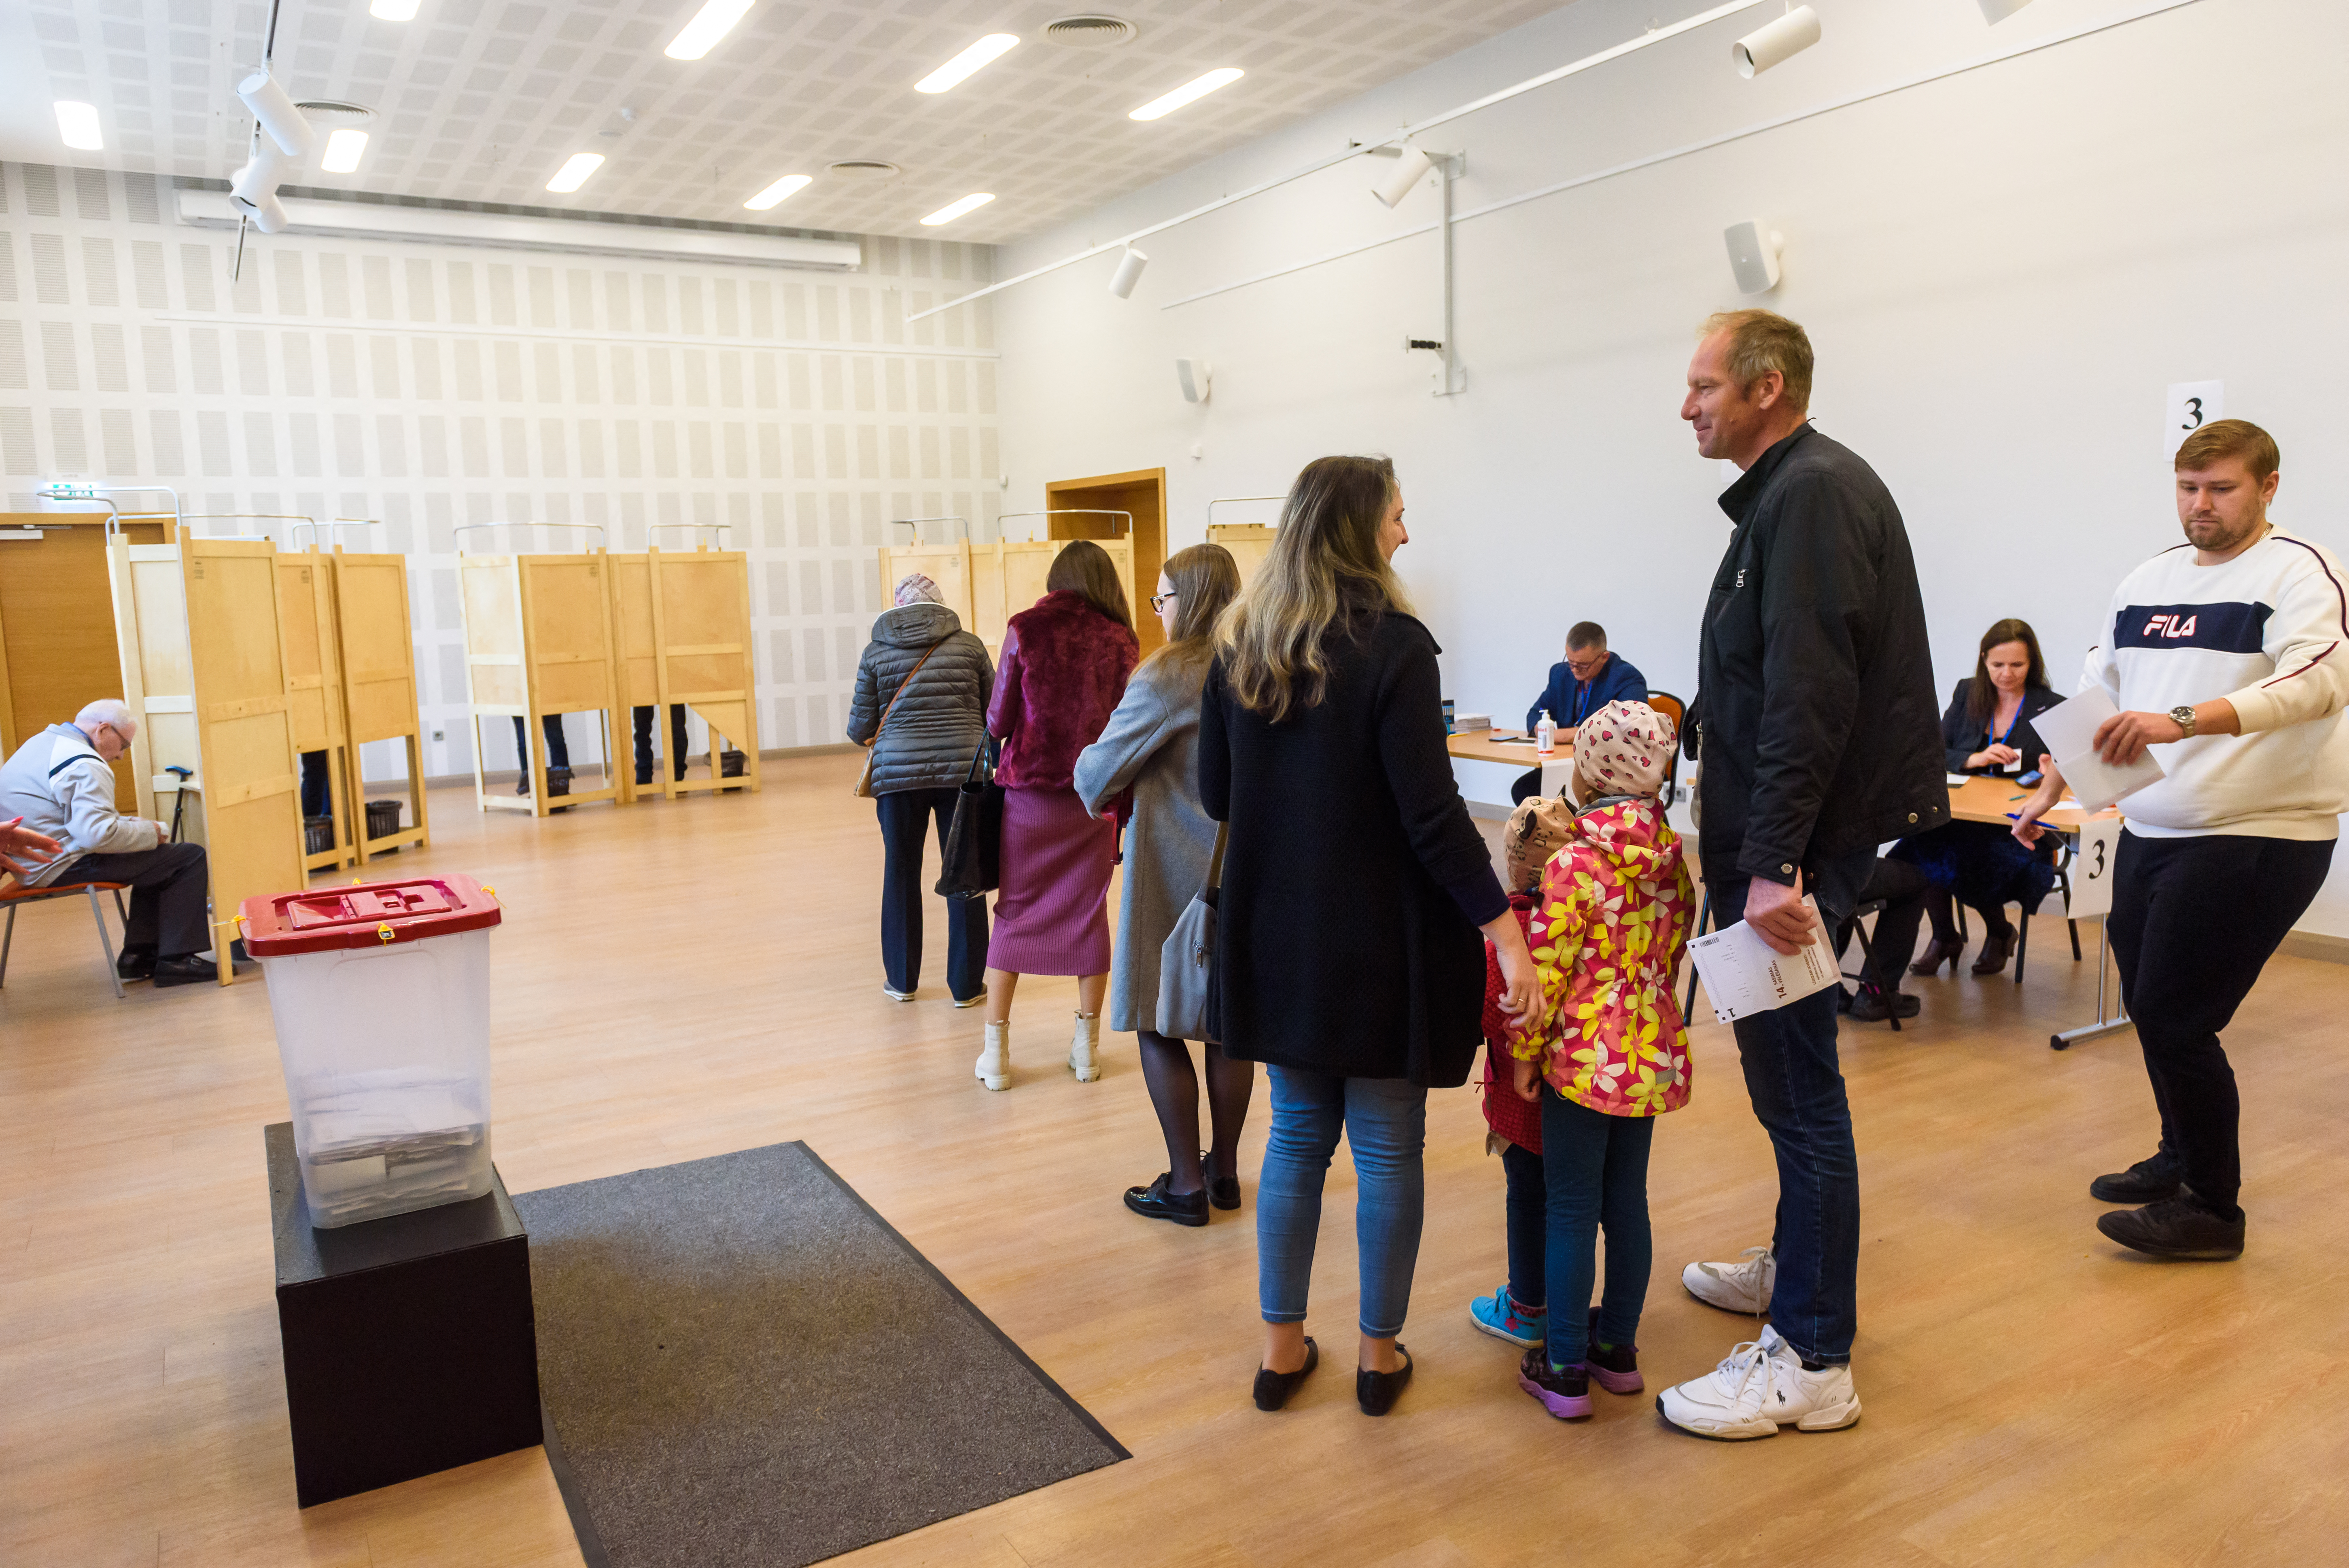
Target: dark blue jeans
[(1595, 1168), (1795, 1082), (1529, 1223), (905, 818)]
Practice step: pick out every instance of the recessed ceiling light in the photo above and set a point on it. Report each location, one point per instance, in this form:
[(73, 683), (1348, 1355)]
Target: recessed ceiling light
[(576, 171), (952, 73), (711, 23), (1188, 92), (77, 123), (789, 185), (393, 10), (343, 150), (953, 209)]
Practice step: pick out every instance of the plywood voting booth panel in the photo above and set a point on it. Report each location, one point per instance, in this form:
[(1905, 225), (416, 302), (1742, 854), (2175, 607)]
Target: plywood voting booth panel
[(538, 641), (681, 630), (1249, 543), (205, 668), (378, 658), (1004, 577), (57, 649), (313, 690)]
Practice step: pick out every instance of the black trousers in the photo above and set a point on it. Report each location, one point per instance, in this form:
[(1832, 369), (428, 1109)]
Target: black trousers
[(169, 896), (558, 751), (642, 718), (1903, 889), (906, 817), (1527, 785), (2194, 922), (314, 781)]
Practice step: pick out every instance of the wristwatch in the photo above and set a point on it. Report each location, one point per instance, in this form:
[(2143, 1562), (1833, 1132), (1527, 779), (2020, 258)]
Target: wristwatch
[(2184, 715)]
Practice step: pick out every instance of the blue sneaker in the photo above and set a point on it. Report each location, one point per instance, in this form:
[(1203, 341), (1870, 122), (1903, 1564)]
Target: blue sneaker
[(1499, 1315)]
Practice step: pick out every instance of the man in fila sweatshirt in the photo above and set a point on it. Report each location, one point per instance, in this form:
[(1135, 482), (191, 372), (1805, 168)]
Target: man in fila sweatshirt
[(2232, 654)]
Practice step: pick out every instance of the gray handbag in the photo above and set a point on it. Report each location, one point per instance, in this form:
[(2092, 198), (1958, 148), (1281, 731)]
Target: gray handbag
[(1190, 988)]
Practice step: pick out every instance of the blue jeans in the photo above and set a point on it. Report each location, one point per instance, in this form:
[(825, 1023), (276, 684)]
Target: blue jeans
[(1529, 1223), (1385, 1124), (1595, 1167), (1796, 1085)]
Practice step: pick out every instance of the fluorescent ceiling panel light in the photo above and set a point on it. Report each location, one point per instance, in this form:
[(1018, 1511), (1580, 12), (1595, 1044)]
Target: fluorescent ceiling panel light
[(77, 124), (1188, 92), (343, 150), (790, 185), (709, 24), (953, 209), (393, 10), (954, 71), (576, 171)]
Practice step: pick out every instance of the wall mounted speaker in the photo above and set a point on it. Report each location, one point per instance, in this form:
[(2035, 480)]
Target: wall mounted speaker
[(1753, 248), (1194, 376)]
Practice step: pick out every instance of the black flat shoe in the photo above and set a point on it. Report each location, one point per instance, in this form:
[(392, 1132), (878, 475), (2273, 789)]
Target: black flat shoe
[(1155, 1202), (135, 964), (2147, 1182), (1223, 1192), (1376, 1392), (1874, 1007), (187, 969), (2175, 1228), (1273, 1388)]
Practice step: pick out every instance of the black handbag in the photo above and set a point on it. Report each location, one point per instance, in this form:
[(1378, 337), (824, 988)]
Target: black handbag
[(973, 862)]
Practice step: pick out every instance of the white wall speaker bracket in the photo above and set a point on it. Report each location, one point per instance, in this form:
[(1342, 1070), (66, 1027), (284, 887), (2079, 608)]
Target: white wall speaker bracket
[(1196, 377), (1753, 251)]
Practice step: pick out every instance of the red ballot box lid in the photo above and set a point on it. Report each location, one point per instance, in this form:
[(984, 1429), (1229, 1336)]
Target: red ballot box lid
[(365, 914)]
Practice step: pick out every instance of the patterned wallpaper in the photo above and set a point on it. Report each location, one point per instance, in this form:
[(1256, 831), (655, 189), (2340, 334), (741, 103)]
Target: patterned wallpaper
[(435, 385)]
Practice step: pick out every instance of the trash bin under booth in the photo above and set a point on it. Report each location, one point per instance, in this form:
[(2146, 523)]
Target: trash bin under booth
[(380, 991)]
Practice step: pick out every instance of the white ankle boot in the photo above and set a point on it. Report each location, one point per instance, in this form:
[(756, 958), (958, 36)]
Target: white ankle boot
[(1083, 1061), (994, 1068)]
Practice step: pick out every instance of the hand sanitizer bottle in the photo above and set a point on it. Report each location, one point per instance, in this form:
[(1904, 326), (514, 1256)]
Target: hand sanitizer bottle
[(1545, 734)]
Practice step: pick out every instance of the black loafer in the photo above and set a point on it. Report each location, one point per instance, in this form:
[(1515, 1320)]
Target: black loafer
[(1223, 1192), (1874, 1007), (2175, 1228), (135, 964), (2147, 1182), (186, 969), (1376, 1392), (1273, 1388), (1158, 1204)]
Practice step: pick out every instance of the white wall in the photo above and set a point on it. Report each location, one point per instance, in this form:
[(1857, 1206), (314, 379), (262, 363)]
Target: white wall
[(430, 386), (2001, 272)]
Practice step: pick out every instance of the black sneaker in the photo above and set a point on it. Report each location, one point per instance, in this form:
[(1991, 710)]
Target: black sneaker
[(2147, 1182), (1223, 1192), (1158, 1204), (136, 964), (1874, 1007), (2175, 1228), (1563, 1391), (1615, 1370)]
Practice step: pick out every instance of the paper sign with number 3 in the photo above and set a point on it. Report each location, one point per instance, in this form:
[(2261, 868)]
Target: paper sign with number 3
[(2092, 867)]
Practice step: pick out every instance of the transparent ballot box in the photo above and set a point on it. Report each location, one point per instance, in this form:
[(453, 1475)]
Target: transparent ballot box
[(380, 991)]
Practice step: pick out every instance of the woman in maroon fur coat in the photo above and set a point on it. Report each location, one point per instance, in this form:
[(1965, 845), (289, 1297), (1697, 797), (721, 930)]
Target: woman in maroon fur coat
[(1063, 667)]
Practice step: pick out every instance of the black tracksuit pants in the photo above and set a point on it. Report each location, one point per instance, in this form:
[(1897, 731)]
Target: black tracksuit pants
[(170, 893), (2193, 921)]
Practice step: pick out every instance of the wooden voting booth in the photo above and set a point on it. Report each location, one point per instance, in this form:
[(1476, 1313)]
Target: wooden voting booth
[(1249, 543), (987, 584), (681, 625), (376, 656), (538, 641), (313, 692)]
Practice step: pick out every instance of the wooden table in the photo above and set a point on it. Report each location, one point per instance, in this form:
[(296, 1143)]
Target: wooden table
[(1506, 745)]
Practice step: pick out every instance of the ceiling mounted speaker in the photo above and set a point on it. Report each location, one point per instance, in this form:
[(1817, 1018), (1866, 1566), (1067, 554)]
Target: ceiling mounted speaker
[(1753, 248), (1089, 30), (862, 168), (1783, 39), (2000, 10)]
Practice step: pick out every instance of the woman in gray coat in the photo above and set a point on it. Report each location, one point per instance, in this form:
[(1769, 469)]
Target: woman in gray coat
[(939, 676), (1151, 746)]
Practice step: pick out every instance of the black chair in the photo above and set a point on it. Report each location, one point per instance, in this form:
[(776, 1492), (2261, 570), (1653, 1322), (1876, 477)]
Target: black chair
[(1867, 949), (1703, 924)]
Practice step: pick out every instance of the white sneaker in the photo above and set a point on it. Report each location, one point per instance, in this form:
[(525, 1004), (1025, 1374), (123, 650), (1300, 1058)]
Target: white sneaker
[(1760, 1388), (994, 1068), (1742, 1287), (1084, 1059), (896, 996)]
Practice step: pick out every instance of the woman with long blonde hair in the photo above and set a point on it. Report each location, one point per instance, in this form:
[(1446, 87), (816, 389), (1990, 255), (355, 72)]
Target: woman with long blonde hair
[(1152, 747), (1354, 885)]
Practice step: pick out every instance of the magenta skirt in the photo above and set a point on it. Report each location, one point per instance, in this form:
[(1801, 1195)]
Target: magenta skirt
[(1051, 912)]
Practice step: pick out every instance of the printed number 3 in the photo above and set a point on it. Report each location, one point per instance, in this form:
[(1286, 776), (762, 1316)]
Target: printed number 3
[(2193, 409), (2099, 869)]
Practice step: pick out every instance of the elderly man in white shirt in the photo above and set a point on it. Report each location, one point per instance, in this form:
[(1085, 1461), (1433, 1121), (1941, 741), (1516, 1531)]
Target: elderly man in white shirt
[(60, 787)]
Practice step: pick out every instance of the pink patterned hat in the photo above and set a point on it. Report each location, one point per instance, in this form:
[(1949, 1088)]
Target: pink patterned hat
[(1625, 748)]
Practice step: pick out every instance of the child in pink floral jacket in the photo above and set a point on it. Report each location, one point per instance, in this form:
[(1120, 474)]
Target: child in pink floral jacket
[(1606, 1052)]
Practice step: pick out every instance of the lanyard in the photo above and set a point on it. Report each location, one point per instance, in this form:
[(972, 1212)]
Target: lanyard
[(1994, 738)]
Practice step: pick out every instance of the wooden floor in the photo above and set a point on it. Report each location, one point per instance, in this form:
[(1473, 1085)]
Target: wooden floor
[(679, 979)]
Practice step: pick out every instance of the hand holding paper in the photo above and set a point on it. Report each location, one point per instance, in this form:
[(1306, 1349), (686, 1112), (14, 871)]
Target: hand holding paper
[(2070, 730), (1745, 975)]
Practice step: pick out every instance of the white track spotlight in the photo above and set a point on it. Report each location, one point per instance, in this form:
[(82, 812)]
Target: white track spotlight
[(268, 214), (1787, 36), (269, 168), (1128, 273), (1195, 378), (1754, 247), (1995, 11), (1408, 172), (275, 111)]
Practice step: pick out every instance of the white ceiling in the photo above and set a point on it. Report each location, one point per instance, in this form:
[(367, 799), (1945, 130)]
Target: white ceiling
[(480, 100)]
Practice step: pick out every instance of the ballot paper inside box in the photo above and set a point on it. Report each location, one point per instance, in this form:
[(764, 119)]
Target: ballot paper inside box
[(381, 994)]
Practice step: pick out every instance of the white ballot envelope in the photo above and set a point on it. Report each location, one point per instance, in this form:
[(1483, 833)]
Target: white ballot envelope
[(2069, 728), (1744, 974)]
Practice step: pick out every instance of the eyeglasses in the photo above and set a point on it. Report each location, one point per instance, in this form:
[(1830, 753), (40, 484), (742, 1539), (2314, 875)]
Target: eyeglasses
[(1584, 666), (1158, 603)]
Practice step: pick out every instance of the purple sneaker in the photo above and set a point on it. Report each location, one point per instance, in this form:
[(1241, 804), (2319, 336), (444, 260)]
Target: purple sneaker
[(1615, 1370), (1564, 1392)]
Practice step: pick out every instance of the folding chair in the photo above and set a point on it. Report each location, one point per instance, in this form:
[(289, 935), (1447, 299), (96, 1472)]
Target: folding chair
[(16, 893)]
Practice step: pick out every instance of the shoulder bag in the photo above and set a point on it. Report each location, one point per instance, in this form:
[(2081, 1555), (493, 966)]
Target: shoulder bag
[(864, 789), (973, 861), (1190, 983)]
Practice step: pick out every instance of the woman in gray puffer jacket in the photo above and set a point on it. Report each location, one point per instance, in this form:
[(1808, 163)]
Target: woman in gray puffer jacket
[(920, 756)]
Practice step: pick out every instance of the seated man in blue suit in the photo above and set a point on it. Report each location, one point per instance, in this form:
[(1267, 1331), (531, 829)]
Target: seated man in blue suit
[(1589, 679)]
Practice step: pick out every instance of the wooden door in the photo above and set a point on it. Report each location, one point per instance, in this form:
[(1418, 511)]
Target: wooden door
[(1142, 492)]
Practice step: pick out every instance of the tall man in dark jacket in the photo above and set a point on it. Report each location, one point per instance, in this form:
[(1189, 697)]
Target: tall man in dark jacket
[(1821, 741)]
